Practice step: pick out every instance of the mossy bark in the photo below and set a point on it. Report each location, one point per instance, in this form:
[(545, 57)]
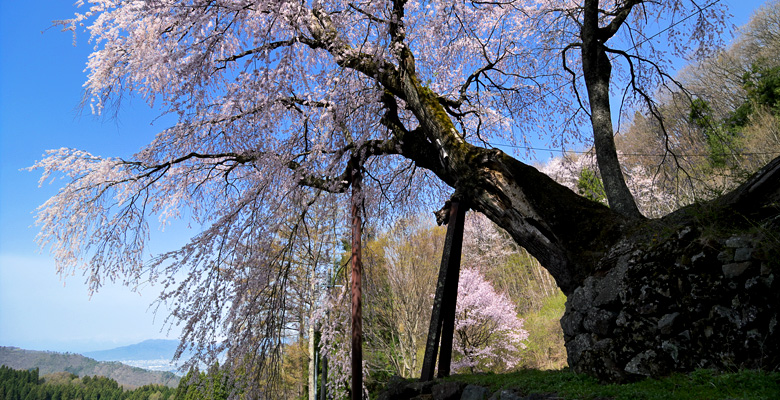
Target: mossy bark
[(588, 248)]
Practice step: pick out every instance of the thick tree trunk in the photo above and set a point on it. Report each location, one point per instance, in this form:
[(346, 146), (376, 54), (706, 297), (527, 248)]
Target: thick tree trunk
[(597, 70), (645, 297), (564, 231), (567, 233)]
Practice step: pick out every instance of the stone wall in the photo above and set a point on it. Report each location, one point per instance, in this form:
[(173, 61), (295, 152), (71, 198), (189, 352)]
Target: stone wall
[(689, 300)]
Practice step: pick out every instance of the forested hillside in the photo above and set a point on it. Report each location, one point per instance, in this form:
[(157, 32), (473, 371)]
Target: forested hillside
[(28, 384), (50, 362)]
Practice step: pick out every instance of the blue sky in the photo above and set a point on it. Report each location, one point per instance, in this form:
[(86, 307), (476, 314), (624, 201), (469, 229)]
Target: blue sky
[(41, 74)]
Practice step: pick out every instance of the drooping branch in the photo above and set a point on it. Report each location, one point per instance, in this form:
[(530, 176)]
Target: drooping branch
[(409, 144), (650, 103), (222, 157), (573, 74)]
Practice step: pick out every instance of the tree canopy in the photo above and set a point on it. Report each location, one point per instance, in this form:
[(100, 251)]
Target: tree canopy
[(278, 101)]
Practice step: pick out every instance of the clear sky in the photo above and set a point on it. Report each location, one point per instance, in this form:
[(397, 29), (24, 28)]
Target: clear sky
[(41, 74)]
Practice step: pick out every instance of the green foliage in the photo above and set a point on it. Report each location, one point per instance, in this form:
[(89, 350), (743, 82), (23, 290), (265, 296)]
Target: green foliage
[(590, 186), (204, 386), (26, 384), (701, 384), (721, 137), (724, 137), (763, 87), (545, 341)]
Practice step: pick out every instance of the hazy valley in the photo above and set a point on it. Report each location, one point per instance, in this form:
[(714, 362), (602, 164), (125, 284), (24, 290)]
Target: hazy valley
[(145, 363)]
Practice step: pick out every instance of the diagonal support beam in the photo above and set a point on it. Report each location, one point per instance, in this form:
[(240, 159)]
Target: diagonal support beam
[(443, 314)]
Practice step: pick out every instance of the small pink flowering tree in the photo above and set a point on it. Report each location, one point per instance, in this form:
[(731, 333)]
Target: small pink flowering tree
[(488, 333)]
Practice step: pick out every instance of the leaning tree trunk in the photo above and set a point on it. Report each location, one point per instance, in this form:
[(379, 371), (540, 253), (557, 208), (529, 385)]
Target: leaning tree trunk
[(646, 297)]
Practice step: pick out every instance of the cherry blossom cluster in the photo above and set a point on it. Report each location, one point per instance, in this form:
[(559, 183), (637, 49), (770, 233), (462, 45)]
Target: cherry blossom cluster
[(277, 102), (653, 199), (488, 333)]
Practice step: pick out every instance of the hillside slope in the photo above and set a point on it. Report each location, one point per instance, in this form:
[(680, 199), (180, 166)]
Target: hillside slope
[(50, 362)]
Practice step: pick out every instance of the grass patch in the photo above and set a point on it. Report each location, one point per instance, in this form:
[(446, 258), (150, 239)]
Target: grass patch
[(700, 384), (545, 341)]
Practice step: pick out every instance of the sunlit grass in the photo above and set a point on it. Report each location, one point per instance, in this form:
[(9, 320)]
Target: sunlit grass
[(701, 384), (545, 341)]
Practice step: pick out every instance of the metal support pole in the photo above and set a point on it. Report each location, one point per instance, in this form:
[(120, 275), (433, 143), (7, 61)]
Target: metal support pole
[(443, 313), (357, 276)]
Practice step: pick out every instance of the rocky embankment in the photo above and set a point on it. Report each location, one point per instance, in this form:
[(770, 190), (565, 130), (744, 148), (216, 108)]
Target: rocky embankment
[(679, 303)]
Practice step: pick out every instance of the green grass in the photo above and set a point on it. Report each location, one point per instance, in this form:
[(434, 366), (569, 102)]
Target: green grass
[(545, 341), (698, 385)]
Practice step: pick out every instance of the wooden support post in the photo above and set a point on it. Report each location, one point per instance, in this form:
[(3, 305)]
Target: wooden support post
[(324, 378), (444, 302), (450, 295), (357, 276), (312, 350)]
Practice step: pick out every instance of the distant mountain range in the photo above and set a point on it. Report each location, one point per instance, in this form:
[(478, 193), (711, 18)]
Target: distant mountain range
[(50, 362), (156, 355), (146, 350)]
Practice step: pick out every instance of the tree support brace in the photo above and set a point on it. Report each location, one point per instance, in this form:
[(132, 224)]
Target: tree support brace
[(443, 314), (357, 277)]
